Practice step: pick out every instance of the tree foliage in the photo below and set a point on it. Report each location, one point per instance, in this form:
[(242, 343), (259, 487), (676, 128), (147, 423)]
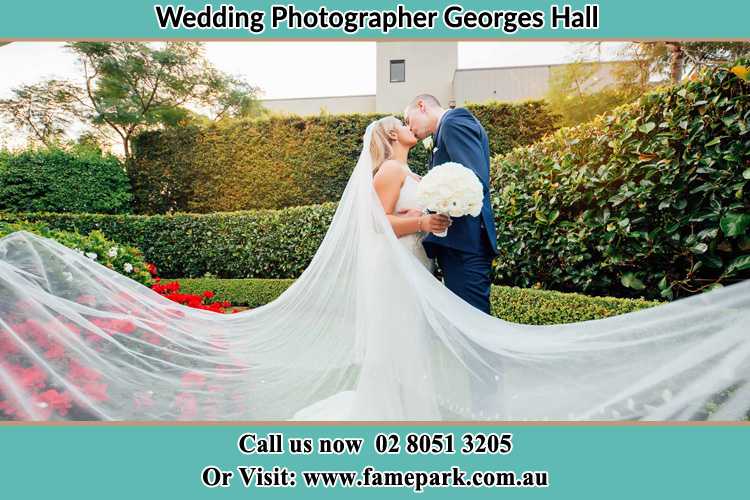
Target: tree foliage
[(128, 87)]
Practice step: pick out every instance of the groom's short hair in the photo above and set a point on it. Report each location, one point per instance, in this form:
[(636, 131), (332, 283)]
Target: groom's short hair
[(429, 99)]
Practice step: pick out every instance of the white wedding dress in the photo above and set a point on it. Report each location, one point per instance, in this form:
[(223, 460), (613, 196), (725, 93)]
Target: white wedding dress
[(365, 333), (371, 404)]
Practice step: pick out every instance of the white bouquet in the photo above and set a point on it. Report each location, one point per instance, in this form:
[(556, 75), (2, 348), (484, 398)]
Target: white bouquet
[(450, 189)]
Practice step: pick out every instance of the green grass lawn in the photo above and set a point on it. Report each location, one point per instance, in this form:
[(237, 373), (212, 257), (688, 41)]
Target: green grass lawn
[(529, 306)]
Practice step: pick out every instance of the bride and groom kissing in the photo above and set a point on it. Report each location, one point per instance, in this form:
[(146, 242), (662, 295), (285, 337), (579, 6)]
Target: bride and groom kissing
[(365, 332), (465, 254)]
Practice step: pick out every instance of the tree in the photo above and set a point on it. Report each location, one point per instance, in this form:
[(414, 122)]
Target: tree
[(678, 58), (44, 110), (576, 93), (130, 86)]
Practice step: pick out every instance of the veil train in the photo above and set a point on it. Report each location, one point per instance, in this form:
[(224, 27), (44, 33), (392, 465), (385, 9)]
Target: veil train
[(365, 324)]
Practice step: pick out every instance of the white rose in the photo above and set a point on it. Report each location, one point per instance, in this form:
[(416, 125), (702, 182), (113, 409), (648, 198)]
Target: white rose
[(112, 252), (128, 267), (91, 255), (427, 143), (451, 188)]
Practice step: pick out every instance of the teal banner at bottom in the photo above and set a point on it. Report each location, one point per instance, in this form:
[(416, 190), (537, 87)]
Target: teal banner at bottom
[(589, 461)]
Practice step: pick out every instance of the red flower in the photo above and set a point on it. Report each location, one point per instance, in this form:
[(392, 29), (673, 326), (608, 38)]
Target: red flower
[(125, 297), (73, 328), (123, 326), (208, 294), (193, 379), (60, 402), (11, 410), (152, 338), (55, 352), (7, 346), (96, 391), (32, 377), (88, 300), (80, 374), (151, 269)]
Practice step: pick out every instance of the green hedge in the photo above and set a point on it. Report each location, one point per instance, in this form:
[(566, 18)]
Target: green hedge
[(651, 200), (124, 259), (59, 180), (250, 244), (283, 161), (537, 307)]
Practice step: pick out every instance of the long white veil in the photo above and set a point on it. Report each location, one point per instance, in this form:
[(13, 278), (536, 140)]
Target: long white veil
[(364, 320)]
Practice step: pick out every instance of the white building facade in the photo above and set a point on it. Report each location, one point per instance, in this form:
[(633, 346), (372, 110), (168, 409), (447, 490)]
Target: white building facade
[(406, 69)]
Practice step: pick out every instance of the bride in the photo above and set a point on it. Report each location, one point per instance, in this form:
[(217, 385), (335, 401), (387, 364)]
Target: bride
[(366, 333)]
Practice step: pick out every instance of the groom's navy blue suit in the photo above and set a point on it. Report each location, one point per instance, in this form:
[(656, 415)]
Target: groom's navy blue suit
[(465, 255)]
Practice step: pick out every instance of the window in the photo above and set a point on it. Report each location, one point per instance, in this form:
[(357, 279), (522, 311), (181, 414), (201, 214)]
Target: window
[(398, 70)]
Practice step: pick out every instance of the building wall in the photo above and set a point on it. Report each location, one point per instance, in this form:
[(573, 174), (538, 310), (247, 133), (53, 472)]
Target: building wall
[(314, 105), (515, 83), (429, 69), (432, 67)]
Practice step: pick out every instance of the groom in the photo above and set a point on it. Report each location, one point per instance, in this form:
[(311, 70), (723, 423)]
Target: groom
[(465, 255)]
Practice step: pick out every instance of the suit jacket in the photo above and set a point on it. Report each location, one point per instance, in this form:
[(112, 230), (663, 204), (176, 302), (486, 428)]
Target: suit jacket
[(461, 138)]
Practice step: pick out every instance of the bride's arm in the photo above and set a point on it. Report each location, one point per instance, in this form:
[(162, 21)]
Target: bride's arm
[(387, 181)]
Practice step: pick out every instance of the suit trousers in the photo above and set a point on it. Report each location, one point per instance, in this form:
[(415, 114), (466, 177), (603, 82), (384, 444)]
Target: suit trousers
[(468, 275)]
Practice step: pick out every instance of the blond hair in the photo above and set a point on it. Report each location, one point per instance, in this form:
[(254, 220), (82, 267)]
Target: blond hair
[(381, 147)]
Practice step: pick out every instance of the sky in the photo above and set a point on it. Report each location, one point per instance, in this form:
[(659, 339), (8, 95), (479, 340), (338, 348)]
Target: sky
[(329, 68), (286, 69)]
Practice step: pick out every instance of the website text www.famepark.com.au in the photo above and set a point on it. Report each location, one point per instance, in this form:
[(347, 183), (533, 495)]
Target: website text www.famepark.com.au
[(417, 480)]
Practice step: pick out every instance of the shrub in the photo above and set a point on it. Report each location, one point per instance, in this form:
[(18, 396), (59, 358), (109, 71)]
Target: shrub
[(244, 292), (536, 307), (59, 180), (650, 200), (283, 161), (250, 244), (94, 245)]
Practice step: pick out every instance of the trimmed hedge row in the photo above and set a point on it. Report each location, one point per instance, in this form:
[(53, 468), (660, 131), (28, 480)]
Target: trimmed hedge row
[(653, 199), (535, 307), (284, 161), (59, 180), (126, 260), (250, 244)]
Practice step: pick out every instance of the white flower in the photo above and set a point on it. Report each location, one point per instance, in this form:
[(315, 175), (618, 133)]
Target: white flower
[(451, 188), (112, 253), (91, 255), (427, 143), (128, 267)]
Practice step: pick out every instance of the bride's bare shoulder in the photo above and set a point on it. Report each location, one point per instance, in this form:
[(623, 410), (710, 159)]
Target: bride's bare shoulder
[(391, 171)]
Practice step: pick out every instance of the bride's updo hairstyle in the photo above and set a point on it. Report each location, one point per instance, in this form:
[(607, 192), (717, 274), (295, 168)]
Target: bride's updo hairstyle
[(381, 145)]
